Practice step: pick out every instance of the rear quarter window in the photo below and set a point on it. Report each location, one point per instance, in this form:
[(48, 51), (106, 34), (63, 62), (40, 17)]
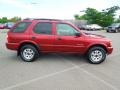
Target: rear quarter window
[(21, 27)]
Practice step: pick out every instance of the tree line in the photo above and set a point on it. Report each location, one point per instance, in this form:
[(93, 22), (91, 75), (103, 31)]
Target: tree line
[(103, 18), (5, 19)]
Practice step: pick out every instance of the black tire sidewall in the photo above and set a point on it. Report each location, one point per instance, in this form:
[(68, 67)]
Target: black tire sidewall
[(31, 47), (93, 49), (107, 30)]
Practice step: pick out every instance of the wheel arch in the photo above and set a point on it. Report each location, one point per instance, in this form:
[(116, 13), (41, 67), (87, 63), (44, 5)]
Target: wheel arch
[(28, 43), (96, 45)]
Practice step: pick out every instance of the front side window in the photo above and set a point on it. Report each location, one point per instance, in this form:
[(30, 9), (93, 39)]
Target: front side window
[(43, 28), (65, 30), (21, 27)]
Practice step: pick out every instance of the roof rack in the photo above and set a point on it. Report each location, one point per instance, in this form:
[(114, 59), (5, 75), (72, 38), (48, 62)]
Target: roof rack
[(42, 19)]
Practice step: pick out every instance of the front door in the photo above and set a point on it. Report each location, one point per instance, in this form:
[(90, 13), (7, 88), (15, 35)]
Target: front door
[(66, 40)]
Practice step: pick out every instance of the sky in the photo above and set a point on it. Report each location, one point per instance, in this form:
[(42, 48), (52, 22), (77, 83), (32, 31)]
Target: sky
[(55, 9)]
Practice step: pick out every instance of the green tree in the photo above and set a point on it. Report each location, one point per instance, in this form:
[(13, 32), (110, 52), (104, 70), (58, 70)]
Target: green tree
[(92, 15), (111, 10), (76, 17), (108, 14), (3, 20), (117, 21), (15, 19), (104, 18)]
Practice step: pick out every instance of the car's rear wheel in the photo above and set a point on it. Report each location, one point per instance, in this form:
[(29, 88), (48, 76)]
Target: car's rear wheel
[(96, 55), (107, 30), (28, 53)]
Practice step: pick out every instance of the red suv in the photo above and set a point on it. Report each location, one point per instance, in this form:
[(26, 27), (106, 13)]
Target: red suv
[(31, 37)]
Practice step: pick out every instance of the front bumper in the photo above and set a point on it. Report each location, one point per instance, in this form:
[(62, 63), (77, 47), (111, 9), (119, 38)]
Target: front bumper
[(110, 50), (111, 29)]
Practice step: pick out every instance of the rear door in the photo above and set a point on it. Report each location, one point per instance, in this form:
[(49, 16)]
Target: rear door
[(42, 34)]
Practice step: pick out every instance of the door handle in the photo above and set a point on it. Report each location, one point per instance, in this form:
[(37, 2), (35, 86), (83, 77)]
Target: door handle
[(59, 38), (33, 38)]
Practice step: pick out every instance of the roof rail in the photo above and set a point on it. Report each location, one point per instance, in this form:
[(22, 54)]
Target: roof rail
[(42, 19)]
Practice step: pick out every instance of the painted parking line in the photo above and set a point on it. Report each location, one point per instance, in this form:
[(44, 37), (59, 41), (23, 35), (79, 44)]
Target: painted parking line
[(39, 78), (99, 79), (95, 77), (59, 72), (92, 75)]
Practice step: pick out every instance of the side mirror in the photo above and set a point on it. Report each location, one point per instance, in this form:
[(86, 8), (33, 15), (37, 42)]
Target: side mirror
[(77, 34)]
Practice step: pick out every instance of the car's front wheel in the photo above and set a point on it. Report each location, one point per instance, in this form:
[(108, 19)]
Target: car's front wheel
[(96, 55), (28, 53), (116, 30)]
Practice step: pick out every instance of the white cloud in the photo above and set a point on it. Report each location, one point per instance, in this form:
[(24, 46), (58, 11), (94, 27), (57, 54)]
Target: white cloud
[(64, 9), (16, 3)]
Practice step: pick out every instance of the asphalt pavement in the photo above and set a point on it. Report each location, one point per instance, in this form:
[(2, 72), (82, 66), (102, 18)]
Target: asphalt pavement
[(59, 72)]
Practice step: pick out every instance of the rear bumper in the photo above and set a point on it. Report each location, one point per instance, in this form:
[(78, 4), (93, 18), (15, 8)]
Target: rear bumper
[(12, 46), (110, 50)]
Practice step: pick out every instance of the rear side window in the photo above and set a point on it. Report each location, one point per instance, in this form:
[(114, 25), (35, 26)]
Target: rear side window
[(21, 27), (43, 28)]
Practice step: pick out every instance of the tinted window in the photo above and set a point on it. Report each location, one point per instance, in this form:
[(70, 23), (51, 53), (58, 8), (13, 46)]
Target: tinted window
[(65, 30), (21, 27), (43, 28)]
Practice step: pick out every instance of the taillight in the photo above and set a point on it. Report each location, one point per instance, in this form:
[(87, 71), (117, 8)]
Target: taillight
[(7, 37)]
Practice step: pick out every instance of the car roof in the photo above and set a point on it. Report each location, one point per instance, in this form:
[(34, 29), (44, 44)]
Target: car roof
[(43, 20)]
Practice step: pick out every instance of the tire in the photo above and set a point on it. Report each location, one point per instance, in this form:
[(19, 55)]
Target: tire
[(116, 30), (107, 30), (28, 53), (96, 55)]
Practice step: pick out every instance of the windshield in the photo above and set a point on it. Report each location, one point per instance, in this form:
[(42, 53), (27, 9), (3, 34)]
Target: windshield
[(115, 24)]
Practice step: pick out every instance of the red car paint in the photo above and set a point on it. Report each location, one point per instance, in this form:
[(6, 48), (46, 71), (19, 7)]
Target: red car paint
[(54, 43)]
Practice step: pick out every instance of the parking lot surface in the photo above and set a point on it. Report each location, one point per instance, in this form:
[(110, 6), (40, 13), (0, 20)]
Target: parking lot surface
[(59, 72)]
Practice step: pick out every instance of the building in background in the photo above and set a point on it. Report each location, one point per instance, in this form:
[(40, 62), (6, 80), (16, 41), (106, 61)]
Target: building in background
[(78, 22)]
